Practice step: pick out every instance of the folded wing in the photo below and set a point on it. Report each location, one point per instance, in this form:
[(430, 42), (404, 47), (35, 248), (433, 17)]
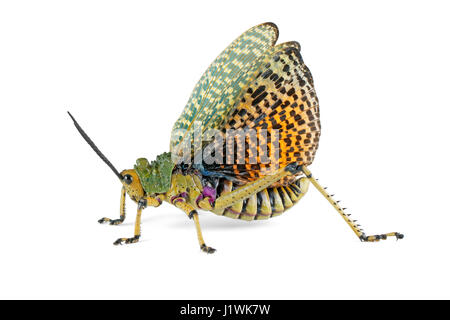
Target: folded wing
[(217, 91)]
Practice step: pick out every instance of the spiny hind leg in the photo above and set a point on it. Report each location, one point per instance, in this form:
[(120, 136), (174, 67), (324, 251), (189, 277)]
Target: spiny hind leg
[(352, 223), (122, 211), (142, 204), (192, 214)]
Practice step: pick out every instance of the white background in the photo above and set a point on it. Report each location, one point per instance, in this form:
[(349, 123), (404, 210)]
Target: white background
[(126, 69)]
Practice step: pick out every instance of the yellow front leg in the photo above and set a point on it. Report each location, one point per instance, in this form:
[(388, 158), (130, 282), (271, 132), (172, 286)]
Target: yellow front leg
[(142, 204), (193, 214), (115, 222)]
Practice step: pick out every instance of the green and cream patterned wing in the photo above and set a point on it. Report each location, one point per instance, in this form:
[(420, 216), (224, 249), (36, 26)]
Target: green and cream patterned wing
[(215, 94)]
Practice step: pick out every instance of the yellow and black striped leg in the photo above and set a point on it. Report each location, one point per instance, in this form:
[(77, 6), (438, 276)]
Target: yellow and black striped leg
[(192, 214), (142, 204), (352, 223), (122, 211)]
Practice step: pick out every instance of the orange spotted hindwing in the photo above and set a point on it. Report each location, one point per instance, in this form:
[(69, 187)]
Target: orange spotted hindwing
[(281, 97), (217, 91)]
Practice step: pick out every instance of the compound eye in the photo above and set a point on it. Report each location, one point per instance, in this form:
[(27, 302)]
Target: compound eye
[(128, 179)]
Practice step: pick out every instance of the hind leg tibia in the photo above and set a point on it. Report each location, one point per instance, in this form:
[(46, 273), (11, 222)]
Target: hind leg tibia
[(352, 223)]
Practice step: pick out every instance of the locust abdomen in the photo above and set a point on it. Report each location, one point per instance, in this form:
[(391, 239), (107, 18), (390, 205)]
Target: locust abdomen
[(268, 203)]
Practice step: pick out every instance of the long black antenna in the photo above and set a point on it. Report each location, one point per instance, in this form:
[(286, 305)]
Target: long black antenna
[(94, 147)]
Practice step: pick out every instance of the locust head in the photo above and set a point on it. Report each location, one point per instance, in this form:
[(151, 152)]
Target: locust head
[(132, 184)]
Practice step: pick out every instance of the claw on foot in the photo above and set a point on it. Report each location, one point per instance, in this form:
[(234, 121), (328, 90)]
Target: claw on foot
[(207, 249), (379, 237), (104, 220), (121, 241), (114, 222)]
